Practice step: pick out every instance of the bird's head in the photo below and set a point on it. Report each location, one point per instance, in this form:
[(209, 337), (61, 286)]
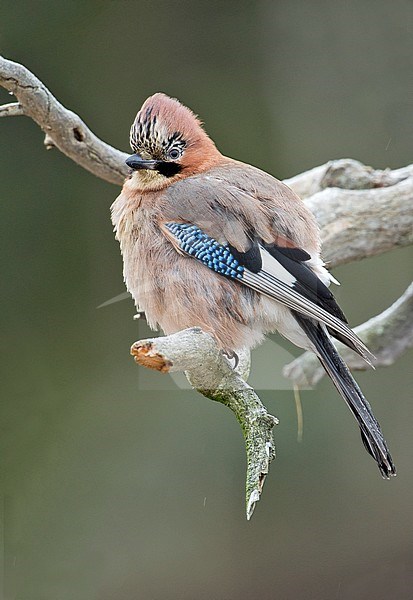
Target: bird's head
[(169, 143)]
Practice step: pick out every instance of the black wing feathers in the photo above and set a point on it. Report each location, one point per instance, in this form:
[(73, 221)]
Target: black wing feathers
[(294, 253), (251, 259), (308, 284), (292, 259)]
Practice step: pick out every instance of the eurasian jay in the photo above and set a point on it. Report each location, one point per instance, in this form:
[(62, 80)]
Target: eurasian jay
[(211, 242)]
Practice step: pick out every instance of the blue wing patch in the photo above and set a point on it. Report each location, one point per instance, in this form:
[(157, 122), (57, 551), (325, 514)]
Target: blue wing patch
[(274, 281), (192, 240)]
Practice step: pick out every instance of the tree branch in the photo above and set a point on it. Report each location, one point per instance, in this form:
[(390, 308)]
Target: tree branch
[(13, 109), (209, 372), (63, 127), (357, 222), (360, 211), (387, 335), (345, 173)]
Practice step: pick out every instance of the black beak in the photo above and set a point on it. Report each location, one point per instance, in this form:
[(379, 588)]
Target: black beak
[(136, 162)]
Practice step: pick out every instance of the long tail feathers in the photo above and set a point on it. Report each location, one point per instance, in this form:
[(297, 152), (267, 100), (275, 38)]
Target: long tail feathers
[(336, 368)]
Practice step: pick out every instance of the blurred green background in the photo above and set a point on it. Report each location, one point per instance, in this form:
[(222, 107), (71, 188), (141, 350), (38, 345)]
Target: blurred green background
[(117, 483)]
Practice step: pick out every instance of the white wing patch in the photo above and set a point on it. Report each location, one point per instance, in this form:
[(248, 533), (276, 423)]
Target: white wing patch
[(276, 282), (273, 267)]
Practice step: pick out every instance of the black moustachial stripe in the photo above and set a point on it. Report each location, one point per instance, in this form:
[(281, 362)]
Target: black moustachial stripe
[(167, 168)]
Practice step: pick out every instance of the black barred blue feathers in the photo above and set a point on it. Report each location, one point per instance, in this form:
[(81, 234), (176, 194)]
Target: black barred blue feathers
[(198, 244)]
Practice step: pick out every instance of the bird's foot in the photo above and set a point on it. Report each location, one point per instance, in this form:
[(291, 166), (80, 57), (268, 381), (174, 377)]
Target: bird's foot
[(232, 357)]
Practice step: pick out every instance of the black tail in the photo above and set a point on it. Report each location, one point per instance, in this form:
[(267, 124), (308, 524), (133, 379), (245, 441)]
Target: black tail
[(336, 368)]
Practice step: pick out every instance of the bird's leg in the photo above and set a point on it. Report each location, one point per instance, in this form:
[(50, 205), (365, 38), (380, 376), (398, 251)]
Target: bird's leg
[(140, 314)]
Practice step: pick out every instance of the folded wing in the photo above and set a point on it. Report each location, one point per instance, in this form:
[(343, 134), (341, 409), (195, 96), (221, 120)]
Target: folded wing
[(278, 272)]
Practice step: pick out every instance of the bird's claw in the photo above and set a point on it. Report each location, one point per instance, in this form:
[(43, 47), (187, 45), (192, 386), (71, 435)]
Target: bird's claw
[(231, 356)]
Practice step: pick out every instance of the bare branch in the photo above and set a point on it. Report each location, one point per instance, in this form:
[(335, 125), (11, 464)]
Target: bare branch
[(13, 109), (67, 131), (209, 372), (347, 174), (355, 224), (387, 335)]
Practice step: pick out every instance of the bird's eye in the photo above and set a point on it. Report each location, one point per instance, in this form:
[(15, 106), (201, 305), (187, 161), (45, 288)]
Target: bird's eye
[(174, 154)]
